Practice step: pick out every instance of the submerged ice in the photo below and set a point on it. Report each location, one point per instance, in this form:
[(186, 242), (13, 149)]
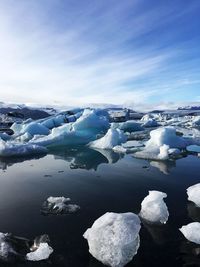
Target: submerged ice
[(114, 239), (58, 205)]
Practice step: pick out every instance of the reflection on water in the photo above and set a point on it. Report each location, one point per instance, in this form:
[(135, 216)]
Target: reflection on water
[(193, 212), (190, 254), (164, 166), (79, 158), (159, 233)]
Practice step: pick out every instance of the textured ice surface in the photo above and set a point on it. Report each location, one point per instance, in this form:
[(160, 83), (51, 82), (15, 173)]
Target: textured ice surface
[(41, 253), (193, 193), (114, 239), (34, 128), (112, 138), (150, 123), (8, 149), (153, 208), (191, 232), (58, 205), (128, 126)]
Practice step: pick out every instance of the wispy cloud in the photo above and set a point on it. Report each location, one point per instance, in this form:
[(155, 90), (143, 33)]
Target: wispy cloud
[(95, 51)]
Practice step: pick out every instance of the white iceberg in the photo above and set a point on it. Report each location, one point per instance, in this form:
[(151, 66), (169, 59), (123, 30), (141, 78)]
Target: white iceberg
[(193, 193), (41, 253), (112, 138), (191, 232), (114, 238), (160, 143), (153, 208)]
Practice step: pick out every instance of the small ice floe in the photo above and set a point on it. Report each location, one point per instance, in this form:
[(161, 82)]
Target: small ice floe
[(40, 249), (114, 239), (58, 205), (153, 208), (191, 232), (193, 148), (112, 138), (14, 248), (193, 193)]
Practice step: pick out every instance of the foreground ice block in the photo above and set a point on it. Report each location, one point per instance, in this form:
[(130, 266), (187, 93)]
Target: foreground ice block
[(191, 232), (112, 138), (41, 253), (114, 238), (153, 208), (193, 193), (13, 249)]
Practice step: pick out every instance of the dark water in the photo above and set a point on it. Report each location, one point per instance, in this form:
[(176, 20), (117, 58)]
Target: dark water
[(98, 183)]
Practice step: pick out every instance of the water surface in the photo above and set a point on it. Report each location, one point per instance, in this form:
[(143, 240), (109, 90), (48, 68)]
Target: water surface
[(98, 182)]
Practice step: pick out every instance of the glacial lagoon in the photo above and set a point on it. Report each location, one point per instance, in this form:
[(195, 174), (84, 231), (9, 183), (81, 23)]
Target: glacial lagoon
[(98, 181)]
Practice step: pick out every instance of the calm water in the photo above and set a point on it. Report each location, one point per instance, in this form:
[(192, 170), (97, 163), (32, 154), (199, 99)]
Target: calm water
[(98, 183)]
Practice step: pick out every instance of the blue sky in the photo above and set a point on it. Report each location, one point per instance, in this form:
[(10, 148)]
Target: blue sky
[(76, 52)]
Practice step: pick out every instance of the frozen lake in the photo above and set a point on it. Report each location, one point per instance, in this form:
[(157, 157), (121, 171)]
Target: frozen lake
[(98, 183)]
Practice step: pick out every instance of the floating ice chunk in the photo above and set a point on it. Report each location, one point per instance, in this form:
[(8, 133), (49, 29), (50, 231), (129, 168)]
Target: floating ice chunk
[(8, 149), (34, 128), (163, 155), (193, 148), (167, 136), (112, 138), (146, 117), (153, 208), (119, 149), (191, 232), (6, 248), (150, 123), (114, 238), (175, 152), (41, 253), (58, 205), (196, 121), (193, 193), (128, 126), (14, 248), (156, 147)]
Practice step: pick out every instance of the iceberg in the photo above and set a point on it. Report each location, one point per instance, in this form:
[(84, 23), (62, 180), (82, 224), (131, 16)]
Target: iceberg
[(113, 137), (153, 208), (58, 205), (191, 232), (193, 193), (161, 141), (114, 238)]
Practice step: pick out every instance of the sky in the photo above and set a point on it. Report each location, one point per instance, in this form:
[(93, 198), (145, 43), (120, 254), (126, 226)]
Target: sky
[(74, 52)]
